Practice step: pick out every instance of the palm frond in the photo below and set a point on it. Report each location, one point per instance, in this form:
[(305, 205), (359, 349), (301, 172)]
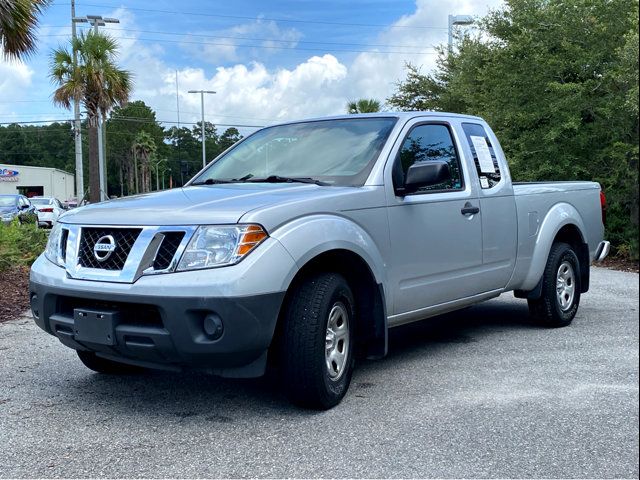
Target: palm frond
[(18, 21)]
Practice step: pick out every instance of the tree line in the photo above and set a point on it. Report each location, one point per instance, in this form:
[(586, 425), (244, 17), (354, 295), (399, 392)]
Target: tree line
[(141, 154)]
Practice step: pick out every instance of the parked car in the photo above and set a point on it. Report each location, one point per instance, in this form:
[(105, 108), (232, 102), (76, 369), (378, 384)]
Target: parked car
[(49, 209), (71, 203), (306, 242), (17, 206)]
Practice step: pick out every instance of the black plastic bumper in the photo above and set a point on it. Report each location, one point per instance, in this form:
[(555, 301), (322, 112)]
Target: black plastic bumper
[(166, 332)]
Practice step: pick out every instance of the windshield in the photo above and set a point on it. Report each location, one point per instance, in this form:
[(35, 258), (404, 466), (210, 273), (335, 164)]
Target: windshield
[(337, 152), (7, 201), (41, 201)]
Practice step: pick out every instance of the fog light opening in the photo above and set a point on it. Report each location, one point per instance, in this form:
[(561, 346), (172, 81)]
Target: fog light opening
[(213, 326), (33, 302)]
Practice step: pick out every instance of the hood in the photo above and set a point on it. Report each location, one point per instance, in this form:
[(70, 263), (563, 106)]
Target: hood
[(8, 210), (198, 205)]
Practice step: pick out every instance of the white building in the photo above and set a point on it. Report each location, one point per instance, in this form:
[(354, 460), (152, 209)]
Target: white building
[(36, 181)]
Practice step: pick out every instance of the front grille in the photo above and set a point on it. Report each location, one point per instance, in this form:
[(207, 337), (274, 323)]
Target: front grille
[(124, 240), (167, 249)]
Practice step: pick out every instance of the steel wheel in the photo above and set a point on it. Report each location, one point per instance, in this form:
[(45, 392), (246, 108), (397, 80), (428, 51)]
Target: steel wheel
[(337, 341), (565, 285)]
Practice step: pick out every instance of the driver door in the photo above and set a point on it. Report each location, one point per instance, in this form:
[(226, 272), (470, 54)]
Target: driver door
[(436, 248)]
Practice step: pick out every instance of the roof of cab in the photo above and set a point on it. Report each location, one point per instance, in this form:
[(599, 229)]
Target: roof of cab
[(399, 115)]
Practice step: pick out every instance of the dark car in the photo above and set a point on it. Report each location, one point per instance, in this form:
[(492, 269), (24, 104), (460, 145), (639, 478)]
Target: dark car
[(17, 206)]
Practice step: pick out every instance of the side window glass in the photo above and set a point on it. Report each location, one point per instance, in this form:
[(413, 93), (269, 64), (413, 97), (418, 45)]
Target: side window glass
[(427, 143), (484, 155)]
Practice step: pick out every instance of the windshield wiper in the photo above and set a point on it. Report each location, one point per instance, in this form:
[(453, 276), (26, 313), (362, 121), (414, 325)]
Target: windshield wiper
[(280, 179), (211, 181), (217, 181)]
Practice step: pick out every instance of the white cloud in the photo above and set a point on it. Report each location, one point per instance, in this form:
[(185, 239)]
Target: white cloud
[(15, 80), (320, 85), (222, 45)]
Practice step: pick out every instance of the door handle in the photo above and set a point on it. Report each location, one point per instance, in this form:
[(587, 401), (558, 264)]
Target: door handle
[(469, 209)]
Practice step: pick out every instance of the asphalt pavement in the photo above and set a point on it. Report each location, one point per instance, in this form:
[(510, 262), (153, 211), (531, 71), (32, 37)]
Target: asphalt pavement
[(479, 393)]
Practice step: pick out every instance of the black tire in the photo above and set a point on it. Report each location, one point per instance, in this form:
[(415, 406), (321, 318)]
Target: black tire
[(102, 365), (548, 309), (306, 374)]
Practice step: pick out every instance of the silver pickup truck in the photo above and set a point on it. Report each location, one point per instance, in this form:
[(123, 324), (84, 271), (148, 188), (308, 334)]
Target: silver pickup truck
[(301, 245)]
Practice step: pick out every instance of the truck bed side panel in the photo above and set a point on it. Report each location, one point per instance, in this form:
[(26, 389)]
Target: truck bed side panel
[(543, 209)]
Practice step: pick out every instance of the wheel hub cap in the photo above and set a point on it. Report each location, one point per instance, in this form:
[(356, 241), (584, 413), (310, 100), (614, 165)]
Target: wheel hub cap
[(337, 341), (565, 286)]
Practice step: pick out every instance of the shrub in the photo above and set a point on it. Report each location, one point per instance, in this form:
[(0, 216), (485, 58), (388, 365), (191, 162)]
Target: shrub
[(20, 244)]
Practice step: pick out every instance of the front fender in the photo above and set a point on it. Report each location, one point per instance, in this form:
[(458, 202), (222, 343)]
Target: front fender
[(308, 237), (558, 216)]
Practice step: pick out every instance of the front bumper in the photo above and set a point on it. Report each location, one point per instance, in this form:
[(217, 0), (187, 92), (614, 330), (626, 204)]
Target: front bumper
[(167, 332), (161, 318)]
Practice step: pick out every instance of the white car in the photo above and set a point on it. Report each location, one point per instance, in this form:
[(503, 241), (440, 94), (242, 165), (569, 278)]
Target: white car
[(49, 209)]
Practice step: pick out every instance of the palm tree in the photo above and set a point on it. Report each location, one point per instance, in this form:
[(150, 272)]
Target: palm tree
[(96, 81), (18, 21), (144, 148), (363, 105)]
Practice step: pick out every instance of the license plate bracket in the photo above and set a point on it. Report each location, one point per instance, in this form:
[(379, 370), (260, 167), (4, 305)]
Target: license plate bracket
[(94, 326)]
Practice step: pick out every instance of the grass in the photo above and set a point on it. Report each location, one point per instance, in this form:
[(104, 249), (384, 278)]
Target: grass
[(20, 245)]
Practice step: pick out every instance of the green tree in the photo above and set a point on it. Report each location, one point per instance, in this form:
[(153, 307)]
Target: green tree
[(96, 81), (558, 82), (144, 151), (124, 124), (230, 136), (363, 105), (38, 145), (18, 22)]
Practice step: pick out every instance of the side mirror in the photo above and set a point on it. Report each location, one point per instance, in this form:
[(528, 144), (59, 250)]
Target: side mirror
[(425, 174)]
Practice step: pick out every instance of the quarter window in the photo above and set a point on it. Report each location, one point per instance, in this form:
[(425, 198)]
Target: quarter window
[(426, 143), (484, 155)]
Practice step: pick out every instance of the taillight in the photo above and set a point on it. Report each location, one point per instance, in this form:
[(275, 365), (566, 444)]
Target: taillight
[(603, 207), (46, 210)]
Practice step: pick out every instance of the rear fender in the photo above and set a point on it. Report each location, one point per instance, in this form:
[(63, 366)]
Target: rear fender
[(558, 216)]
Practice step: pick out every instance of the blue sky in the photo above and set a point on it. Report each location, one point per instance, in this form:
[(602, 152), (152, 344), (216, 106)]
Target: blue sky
[(268, 60)]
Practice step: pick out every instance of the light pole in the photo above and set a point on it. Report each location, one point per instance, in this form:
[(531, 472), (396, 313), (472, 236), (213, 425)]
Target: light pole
[(204, 147), (97, 21), (76, 118), (457, 20)]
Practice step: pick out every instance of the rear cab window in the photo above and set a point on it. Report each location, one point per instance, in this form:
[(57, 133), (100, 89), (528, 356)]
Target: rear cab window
[(484, 155), (425, 143)]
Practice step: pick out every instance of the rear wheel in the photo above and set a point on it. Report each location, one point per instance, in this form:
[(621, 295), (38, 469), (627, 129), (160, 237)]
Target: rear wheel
[(560, 288), (102, 365), (318, 341)]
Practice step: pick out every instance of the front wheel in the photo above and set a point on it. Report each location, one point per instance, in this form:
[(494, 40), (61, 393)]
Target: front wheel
[(318, 342), (560, 288)]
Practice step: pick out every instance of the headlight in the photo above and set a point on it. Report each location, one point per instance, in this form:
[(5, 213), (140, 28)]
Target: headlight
[(53, 251), (220, 245)]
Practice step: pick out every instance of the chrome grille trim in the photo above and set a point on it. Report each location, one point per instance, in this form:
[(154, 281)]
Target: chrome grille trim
[(140, 260)]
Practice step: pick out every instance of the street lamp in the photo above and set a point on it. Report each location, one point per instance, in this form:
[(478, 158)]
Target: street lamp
[(97, 21), (76, 117), (204, 147), (457, 20)]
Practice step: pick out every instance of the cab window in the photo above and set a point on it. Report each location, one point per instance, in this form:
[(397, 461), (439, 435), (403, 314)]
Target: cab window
[(484, 155), (426, 143)]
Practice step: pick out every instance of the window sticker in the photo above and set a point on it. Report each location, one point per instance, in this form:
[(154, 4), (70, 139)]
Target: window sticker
[(484, 182), (484, 154)]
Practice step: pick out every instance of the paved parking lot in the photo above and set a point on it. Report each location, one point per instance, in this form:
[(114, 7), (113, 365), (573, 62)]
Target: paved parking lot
[(479, 393)]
